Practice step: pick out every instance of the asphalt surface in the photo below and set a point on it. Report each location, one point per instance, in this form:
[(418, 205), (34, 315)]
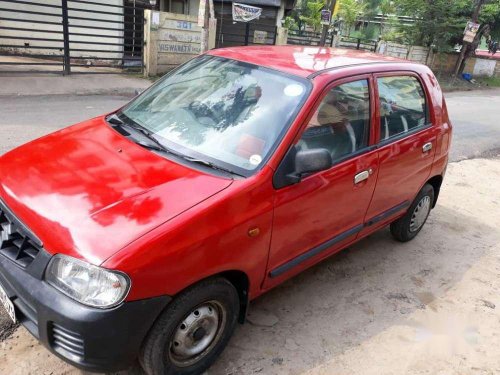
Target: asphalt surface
[(476, 128), (474, 115), (23, 118)]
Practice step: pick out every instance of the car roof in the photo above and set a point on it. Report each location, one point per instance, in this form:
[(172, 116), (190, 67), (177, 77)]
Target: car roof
[(303, 61)]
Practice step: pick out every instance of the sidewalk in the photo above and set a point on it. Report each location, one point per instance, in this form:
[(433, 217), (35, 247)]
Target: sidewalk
[(78, 84)]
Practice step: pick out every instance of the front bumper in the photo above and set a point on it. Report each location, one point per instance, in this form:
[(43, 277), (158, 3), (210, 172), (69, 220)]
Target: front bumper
[(89, 338)]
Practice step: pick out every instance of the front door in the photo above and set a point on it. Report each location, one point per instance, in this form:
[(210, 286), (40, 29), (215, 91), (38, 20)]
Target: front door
[(407, 141), (325, 211)]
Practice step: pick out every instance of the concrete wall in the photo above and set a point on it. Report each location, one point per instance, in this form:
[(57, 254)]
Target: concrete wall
[(497, 69), (55, 16), (444, 63), (393, 49), (281, 36), (441, 63), (419, 54), (484, 67), (175, 39), (414, 53)]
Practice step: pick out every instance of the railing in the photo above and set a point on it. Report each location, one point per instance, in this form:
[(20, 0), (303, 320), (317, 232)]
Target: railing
[(308, 38), (71, 34), (358, 43), (243, 34)]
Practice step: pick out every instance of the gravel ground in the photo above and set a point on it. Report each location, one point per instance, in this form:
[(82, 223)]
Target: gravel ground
[(380, 307)]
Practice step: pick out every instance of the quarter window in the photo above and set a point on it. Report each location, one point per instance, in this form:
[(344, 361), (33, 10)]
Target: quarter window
[(402, 105), (341, 122)]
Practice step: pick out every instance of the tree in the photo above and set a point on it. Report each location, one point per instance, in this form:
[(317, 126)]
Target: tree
[(469, 48), (490, 14), (386, 8), (300, 9), (437, 22), (290, 23), (312, 14), (350, 11)]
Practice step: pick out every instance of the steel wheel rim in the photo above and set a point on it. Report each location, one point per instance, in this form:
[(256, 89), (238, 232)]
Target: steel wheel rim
[(420, 214), (197, 334)]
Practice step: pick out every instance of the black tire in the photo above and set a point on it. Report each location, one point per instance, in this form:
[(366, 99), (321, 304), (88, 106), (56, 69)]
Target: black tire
[(157, 355), (402, 229)]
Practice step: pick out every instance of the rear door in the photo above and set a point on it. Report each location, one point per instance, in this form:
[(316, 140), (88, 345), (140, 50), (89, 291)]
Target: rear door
[(406, 145), (325, 211)]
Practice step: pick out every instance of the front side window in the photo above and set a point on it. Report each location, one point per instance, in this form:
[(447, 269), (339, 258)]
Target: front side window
[(222, 111), (341, 122), (402, 105)]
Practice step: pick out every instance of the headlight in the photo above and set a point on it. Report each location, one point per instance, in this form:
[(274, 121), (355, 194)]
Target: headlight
[(88, 284)]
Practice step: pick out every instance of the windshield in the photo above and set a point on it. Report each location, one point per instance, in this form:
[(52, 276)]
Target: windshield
[(222, 111)]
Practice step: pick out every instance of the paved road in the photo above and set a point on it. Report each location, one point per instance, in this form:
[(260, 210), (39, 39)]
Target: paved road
[(474, 115), (27, 117)]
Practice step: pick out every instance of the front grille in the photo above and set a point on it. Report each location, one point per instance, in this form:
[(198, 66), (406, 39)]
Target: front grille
[(16, 241), (67, 340)]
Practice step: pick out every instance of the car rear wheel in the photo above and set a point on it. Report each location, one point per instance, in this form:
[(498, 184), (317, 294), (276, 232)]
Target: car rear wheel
[(407, 227), (193, 330)]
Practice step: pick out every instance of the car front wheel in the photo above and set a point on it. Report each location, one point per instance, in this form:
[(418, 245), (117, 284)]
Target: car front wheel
[(407, 227), (193, 330)]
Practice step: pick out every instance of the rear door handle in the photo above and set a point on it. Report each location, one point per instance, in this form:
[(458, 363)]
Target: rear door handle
[(362, 176), (427, 147)]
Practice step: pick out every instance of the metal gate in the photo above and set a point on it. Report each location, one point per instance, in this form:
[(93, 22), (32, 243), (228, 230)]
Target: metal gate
[(71, 36), (358, 43), (231, 33), (245, 33), (308, 38)]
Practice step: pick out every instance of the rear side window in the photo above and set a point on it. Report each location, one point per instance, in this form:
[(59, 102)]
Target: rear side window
[(403, 106), (341, 122)]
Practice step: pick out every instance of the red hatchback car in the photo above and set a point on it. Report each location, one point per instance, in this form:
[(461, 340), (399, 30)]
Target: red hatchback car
[(146, 232)]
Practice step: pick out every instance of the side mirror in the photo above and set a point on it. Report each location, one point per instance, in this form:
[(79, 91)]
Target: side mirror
[(315, 160), (296, 163)]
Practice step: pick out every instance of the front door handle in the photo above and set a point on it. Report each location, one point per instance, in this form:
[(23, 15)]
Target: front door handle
[(427, 147), (361, 176)]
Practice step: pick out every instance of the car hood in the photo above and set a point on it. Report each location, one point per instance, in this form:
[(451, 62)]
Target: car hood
[(87, 191)]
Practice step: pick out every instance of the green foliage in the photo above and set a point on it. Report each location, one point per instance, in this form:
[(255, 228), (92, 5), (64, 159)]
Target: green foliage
[(440, 23), (391, 31), (437, 22), (311, 15), (290, 23), (490, 14), (490, 81), (371, 8), (370, 32), (350, 11), (387, 7)]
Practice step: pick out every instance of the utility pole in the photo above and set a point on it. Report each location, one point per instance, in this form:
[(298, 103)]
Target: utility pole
[(324, 30), (466, 46)]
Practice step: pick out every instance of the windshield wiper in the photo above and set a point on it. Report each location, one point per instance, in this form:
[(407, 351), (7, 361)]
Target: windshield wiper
[(114, 119), (208, 164), (158, 146)]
